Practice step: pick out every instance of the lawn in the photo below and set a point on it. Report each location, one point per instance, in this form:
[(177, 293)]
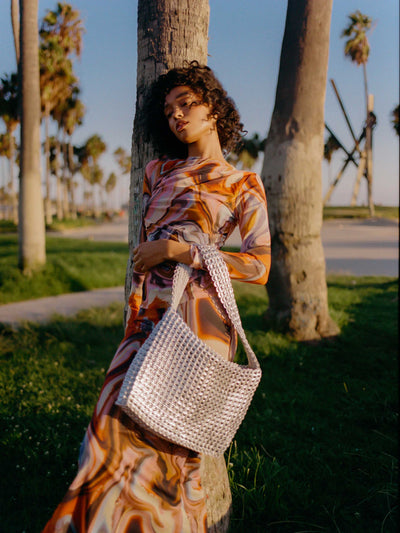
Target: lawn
[(381, 211), (316, 453), (72, 265)]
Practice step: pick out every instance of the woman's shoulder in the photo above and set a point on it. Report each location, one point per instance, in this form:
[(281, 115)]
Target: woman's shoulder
[(162, 165)]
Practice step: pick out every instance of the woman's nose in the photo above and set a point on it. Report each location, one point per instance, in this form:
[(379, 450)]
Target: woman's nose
[(177, 112)]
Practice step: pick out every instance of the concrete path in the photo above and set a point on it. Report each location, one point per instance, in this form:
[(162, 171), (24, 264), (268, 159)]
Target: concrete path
[(43, 309), (356, 247), (359, 247)]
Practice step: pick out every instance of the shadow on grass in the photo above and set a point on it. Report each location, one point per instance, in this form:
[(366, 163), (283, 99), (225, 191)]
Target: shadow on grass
[(317, 451), (51, 377), (318, 448)]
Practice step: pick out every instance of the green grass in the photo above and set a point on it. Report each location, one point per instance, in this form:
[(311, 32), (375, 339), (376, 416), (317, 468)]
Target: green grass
[(316, 453), (7, 226), (381, 211), (72, 265), (69, 223)]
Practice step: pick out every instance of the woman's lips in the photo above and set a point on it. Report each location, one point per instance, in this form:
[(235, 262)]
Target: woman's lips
[(180, 126)]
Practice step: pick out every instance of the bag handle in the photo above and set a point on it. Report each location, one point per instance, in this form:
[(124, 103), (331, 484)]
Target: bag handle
[(219, 274)]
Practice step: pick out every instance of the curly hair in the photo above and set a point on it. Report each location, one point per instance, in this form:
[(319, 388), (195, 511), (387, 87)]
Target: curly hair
[(206, 86)]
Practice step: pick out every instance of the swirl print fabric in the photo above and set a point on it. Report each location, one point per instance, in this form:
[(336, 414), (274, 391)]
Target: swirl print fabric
[(129, 480)]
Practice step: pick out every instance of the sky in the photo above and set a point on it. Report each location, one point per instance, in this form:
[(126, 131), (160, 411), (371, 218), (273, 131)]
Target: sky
[(245, 40)]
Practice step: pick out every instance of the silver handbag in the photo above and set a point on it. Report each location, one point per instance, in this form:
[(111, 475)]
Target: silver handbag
[(178, 387)]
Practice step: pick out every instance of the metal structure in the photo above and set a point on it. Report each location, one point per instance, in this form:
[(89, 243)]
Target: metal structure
[(361, 153)]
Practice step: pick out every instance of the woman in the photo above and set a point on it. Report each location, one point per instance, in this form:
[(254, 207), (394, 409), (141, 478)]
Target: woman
[(129, 480)]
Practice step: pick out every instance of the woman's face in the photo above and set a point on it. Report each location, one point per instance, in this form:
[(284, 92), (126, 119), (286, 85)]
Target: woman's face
[(188, 119)]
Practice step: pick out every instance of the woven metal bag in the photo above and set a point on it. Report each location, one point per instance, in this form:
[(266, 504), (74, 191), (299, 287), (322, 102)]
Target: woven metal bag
[(181, 389)]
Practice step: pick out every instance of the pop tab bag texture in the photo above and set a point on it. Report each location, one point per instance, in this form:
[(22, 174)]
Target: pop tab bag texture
[(181, 389)]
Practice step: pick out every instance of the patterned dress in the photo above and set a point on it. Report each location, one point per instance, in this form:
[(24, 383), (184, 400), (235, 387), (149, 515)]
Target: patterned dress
[(130, 481)]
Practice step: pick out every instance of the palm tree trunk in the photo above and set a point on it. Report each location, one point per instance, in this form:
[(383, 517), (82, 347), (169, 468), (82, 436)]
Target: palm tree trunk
[(13, 194), (64, 180), (59, 206), (292, 175), (72, 209), (15, 26), (32, 249), (160, 49), (47, 203)]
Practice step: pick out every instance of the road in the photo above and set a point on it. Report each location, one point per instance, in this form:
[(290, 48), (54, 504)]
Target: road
[(362, 247)]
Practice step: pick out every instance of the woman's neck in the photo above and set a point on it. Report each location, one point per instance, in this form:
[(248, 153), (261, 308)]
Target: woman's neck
[(207, 147)]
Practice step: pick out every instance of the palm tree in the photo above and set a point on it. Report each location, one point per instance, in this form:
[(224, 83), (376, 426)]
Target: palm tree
[(32, 247), (56, 82), (65, 25), (15, 26), (357, 45), (110, 184), (246, 153), (291, 174), (9, 113), (124, 162), (175, 31), (88, 156), (6, 199), (69, 114), (357, 49), (395, 119), (54, 158), (60, 37)]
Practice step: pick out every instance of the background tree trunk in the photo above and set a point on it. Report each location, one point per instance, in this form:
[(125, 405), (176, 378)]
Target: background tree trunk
[(292, 175), (15, 26), (171, 32), (32, 247), (13, 193)]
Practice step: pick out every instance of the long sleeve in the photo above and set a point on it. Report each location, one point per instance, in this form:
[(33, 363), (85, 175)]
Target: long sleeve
[(253, 262)]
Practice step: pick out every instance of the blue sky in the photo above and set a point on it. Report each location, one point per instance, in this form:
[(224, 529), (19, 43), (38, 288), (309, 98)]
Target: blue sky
[(244, 48)]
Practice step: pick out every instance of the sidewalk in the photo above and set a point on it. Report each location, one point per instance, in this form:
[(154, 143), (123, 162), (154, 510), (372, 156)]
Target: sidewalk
[(355, 247), (42, 309)]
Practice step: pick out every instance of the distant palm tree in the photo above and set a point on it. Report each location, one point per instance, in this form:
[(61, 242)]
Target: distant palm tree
[(6, 200), (60, 37), (357, 49), (65, 24), (123, 160), (56, 82), (88, 156), (357, 45), (247, 152), (9, 113), (68, 115), (110, 184), (395, 120)]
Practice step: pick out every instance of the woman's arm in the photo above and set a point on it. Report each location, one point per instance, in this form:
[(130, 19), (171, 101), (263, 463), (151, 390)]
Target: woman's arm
[(151, 253), (253, 262)]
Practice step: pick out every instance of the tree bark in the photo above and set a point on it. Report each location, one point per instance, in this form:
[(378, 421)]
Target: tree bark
[(171, 32), (31, 229), (292, 175)]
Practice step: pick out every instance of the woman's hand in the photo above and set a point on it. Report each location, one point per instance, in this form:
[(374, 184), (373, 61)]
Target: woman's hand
[(151, 253)]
